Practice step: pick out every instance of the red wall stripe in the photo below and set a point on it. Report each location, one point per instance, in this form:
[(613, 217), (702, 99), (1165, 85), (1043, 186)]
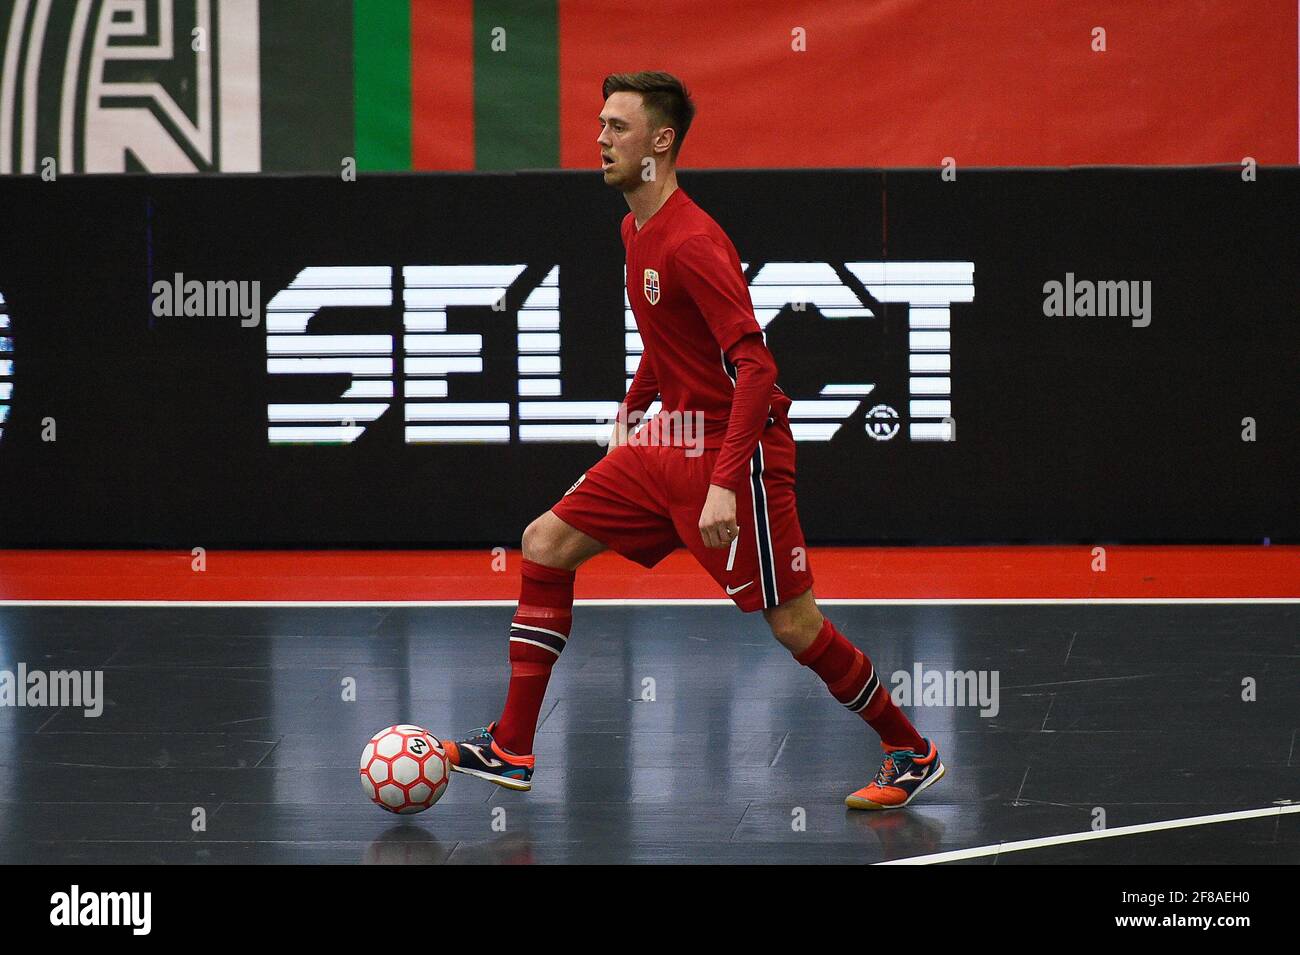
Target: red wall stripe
[(442, 84), (1025, 572), (989, 82)]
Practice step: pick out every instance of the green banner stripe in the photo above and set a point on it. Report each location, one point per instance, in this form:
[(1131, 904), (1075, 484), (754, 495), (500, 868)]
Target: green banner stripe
[(306, 75), (516, 85), (382, 51)]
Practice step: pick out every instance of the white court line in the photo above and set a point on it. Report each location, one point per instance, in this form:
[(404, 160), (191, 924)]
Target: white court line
[(659, 602), (958, 854)]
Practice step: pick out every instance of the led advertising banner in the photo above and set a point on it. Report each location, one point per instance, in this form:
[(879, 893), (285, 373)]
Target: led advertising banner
[(431, 360)]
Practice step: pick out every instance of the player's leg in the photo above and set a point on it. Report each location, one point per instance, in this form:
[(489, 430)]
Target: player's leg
[(911, 763), (815, 642), (553, 551), (771, 553), (795, 623), (609, 505), (551, 542), (502, 751)]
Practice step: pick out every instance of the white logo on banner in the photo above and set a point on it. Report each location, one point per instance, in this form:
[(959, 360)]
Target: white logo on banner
[(882, 422), (431, 355)]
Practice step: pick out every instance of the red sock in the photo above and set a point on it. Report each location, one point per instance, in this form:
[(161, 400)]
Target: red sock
[(537, 636), (849, 675)]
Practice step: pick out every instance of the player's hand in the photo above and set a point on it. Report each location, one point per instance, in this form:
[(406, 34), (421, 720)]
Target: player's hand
[(718, 519)]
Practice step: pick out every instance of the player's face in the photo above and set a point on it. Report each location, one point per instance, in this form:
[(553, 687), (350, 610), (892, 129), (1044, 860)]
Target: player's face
[(625, 139)]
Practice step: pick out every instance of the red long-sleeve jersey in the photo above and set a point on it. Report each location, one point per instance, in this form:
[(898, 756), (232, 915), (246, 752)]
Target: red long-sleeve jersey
[(703, 347)]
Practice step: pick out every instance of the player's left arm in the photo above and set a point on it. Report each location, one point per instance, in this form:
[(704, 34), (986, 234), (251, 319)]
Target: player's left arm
[(642, 393), (718, 288)]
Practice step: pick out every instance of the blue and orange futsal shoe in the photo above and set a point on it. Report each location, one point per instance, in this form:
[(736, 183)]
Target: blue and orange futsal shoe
[(480, 755), (902, 775)]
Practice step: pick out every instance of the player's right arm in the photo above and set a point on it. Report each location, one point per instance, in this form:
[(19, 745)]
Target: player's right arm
[(644, 390)]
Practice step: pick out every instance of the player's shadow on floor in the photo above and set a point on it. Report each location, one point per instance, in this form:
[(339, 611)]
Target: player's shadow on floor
[(902, 834), (407, 844)]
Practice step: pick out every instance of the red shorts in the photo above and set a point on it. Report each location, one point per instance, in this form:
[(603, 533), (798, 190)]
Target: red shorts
[(644, 501)]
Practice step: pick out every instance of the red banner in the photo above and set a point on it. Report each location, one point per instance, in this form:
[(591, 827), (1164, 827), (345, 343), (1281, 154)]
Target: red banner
[(987, 82)]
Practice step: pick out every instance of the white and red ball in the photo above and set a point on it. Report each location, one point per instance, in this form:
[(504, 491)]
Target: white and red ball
[(404, 769)]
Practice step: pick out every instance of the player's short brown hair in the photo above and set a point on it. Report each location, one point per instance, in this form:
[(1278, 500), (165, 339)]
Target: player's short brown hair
[(664, 96)]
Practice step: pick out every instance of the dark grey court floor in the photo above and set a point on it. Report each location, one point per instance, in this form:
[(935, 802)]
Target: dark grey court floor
[(1131, 711)]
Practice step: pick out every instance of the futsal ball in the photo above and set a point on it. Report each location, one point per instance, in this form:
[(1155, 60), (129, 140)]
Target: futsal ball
[(404, 769)]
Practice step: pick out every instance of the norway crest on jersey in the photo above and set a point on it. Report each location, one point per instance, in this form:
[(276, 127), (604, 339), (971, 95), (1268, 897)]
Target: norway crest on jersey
[(652, 286)]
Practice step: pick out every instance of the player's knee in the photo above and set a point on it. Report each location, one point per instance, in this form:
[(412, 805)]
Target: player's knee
[(794, 627), (550, 542), (538, 545), (787, 628)]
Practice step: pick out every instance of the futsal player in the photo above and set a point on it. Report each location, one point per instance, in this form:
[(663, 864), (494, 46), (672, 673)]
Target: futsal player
[(731, 501)]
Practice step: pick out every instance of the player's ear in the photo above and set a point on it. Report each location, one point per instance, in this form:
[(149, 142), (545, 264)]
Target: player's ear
[(664, 140)]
